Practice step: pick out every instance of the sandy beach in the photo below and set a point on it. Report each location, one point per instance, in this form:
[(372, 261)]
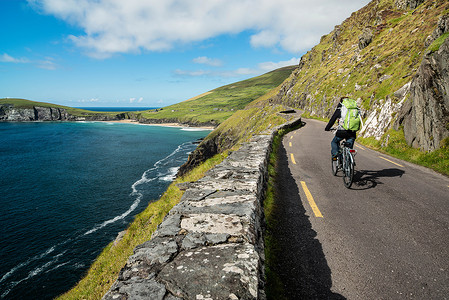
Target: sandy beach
[(162, 124)]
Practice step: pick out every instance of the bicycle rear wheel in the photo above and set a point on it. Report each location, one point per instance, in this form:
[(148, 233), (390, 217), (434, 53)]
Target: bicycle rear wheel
[(348, 173)]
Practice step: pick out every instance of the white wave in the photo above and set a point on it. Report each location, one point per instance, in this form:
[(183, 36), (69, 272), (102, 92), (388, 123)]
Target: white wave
[(36, 271), (146, 177), (195, 129), (142, 180), (120, 217), (79, 265), (171, 174), (23, 264), (57, 267), (39, 270)]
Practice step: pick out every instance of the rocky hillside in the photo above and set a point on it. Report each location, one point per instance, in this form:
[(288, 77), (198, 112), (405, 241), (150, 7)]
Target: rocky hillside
[(392, 56)]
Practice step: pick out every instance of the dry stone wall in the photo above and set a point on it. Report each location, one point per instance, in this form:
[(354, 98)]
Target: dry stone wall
[(210, 245)]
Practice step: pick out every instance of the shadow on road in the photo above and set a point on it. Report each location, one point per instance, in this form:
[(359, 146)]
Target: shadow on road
[(299, 259), (364, 179)]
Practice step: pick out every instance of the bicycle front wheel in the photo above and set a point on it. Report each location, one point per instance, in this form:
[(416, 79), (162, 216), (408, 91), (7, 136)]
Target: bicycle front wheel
[(348, 173), (334, 167)]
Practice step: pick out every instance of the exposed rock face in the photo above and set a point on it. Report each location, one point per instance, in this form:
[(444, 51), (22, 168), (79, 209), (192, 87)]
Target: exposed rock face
[(365, 38), (408, 4), (425, 116), (377, 122), (9, 113), (210, 245), (205, 150), (442, 27)]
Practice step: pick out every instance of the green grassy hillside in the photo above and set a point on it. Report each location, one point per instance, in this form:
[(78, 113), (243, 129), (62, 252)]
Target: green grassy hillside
[(337, 66), (219, 104), (340, 65)]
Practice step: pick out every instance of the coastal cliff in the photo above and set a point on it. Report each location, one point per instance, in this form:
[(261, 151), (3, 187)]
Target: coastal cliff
[(9, 113), (20, 110)]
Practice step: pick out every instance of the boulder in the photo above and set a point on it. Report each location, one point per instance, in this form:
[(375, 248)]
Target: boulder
[(365, 38), (425, 116), (408, 4)]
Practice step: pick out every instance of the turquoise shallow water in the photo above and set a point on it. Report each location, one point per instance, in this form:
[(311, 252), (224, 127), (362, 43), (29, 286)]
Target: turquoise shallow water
[(67, 189)]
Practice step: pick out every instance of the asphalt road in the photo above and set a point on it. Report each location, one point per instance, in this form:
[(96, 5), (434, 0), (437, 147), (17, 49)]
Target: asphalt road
[(385, 238)]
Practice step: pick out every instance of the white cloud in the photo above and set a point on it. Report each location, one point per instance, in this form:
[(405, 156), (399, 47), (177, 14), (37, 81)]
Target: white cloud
[(132, 100), (117, 26), (47, 64), (213, 62), (269, 66), (192, 73), (9, 59), (261, 68), (92, 100)]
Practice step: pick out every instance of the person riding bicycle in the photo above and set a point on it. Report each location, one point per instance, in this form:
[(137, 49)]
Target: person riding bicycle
[(344, 130)]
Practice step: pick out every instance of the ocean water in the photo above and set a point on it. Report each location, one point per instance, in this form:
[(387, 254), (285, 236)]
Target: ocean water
[(117, 109), (68, 188)]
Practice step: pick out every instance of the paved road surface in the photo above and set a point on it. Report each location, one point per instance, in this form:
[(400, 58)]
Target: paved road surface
[(385, 238)]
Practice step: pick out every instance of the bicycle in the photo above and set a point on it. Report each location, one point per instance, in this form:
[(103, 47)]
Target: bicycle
[(346, 162)]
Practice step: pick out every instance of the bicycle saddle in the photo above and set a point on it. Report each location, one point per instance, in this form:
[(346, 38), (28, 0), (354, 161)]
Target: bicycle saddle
[(346, 144)]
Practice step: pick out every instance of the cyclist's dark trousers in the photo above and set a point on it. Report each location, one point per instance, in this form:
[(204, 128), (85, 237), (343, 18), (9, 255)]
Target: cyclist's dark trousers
[(339, 136)]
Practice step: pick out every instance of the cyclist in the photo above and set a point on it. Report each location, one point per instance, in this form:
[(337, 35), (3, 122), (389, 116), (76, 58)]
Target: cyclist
[(349, 135)]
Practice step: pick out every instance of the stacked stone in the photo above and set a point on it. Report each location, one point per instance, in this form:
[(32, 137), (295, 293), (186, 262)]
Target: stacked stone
[(210, 245)]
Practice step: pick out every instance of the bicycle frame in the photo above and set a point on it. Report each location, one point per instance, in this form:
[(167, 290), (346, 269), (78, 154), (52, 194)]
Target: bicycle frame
[(345, 162), (348, 165)]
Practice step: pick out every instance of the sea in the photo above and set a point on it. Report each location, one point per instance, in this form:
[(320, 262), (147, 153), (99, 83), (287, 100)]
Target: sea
[(68, 188), (116, 109)]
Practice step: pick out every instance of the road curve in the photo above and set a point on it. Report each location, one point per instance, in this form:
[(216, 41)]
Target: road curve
[(385, 238)]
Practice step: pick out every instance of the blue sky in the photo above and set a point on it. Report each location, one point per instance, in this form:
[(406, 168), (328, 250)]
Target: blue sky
[(151, 53)]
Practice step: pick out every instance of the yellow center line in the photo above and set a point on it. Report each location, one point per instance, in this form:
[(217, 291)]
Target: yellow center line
[(312, 203), (391, 161), (290, 144), (291, 137), (360, 147), (293, 158)]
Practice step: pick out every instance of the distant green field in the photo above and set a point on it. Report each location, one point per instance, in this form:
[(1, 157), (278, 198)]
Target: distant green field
[(219, 104), (23, 103)]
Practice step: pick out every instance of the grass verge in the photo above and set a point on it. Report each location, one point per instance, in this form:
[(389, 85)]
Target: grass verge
[(393, 143), (274, 288), (104, 271)]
